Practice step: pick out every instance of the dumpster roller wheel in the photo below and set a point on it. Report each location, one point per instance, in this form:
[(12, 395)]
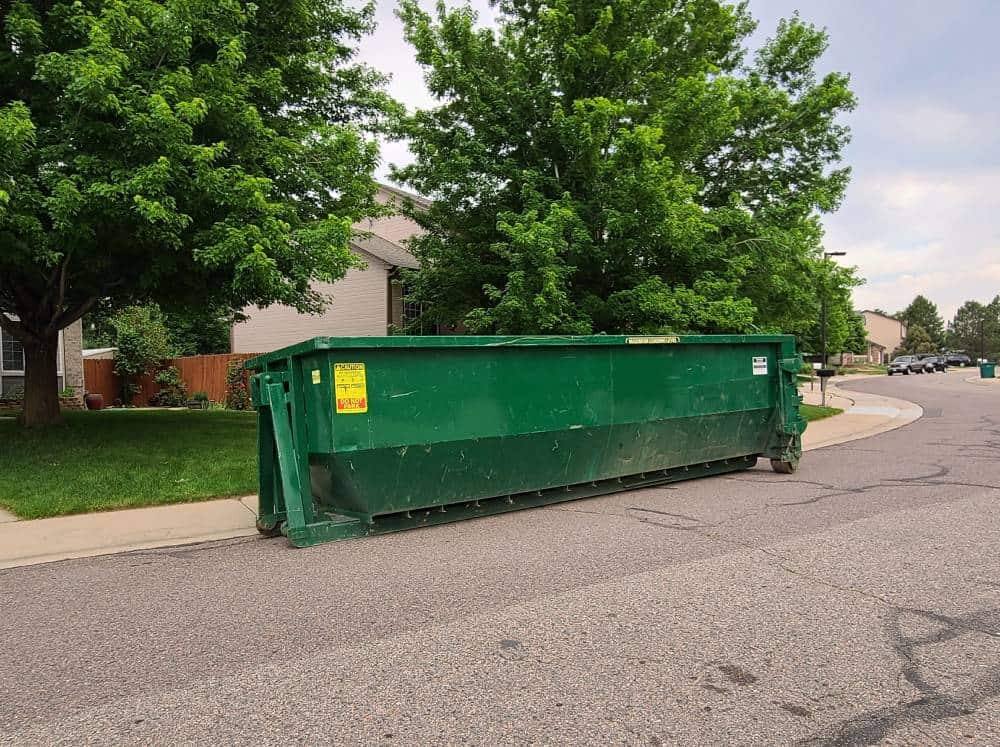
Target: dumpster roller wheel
[(784, 468), (268, 529)]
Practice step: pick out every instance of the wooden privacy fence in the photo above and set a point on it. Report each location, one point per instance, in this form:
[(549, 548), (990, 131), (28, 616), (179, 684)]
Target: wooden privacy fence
[(201, 373)]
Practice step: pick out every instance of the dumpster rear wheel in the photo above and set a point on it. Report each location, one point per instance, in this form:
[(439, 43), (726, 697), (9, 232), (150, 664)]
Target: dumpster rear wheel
[(784, 468), (269, 530)]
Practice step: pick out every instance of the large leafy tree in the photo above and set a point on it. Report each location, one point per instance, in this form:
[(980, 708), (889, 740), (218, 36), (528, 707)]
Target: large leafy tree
[(976, 328), (917, 340), (622, 167), (181, 151), (923, 312)]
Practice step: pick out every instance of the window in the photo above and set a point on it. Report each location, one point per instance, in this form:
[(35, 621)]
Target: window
[(13, 353)]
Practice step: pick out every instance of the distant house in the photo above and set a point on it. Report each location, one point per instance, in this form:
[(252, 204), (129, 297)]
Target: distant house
[(69, 365), (885, 334), (366, 302)]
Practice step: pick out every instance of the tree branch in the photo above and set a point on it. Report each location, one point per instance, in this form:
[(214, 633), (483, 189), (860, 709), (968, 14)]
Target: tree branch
[(68, 317), (16, 329)]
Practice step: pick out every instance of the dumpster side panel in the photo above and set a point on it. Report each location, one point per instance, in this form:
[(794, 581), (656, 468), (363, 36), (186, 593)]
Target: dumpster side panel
[(447, 425)]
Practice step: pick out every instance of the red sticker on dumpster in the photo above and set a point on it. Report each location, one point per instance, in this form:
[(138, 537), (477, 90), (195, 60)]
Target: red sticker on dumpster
[(350, 389)]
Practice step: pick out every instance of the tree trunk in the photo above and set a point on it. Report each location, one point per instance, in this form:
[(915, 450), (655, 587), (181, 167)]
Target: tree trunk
[(41, 383)]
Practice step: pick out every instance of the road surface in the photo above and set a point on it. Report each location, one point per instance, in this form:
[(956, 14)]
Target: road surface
[(853, 602)]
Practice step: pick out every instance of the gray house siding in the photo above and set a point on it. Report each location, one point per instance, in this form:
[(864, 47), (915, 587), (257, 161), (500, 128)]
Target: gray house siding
[(366, 302), (358, 309)]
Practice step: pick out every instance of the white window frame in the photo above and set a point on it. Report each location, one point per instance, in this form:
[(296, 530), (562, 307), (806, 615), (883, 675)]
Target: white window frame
[(12, 372)]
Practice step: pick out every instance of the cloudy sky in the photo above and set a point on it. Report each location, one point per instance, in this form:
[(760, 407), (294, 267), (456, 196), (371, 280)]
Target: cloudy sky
[(922, 214)]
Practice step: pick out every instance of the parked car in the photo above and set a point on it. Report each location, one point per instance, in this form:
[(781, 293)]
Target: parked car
[(906, 364), (934, 363), (958, 359)]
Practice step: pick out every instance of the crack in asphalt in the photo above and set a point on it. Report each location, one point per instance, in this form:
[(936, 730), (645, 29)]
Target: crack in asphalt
[(933, 704)]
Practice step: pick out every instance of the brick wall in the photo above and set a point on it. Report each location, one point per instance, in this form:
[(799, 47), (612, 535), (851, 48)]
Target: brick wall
[(73, 358)]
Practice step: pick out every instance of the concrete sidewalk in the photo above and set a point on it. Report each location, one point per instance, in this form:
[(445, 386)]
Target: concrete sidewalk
[(864, 415), (46, 540), (85, 535)]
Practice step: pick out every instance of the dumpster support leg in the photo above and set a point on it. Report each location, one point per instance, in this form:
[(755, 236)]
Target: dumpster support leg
[(298, 507)]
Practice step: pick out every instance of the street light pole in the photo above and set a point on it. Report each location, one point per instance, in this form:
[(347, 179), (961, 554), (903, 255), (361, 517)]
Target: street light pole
[(822, 326)]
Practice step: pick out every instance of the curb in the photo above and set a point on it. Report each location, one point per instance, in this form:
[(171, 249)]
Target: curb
[(980, 381), (37, 541), (896, 414)]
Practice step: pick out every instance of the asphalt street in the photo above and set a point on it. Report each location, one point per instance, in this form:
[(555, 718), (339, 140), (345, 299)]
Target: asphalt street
[(855, 602)]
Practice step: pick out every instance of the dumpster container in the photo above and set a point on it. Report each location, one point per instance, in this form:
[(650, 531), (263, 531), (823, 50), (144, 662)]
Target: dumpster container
[(363, 435), (987, 370)]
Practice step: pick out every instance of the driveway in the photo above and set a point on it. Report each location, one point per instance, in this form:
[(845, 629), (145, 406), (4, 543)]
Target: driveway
[(855, 601)]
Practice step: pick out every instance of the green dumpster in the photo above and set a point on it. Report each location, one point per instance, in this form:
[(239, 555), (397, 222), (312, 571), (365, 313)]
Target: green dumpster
[(987, 370), (363, 435)]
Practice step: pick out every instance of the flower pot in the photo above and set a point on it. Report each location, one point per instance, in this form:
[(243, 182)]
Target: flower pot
[(94, 401)]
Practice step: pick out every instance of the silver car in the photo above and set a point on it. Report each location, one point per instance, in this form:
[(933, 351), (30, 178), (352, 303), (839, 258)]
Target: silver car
[(906, 364)]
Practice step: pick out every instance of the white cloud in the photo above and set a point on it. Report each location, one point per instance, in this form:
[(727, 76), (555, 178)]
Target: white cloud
[(929, 125), (933, 232)]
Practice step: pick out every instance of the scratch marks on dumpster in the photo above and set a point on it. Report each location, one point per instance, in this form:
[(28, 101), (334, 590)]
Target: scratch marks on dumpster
[(932, 702)]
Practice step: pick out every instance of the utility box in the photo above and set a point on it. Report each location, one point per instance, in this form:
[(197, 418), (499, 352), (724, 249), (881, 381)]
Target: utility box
[(363, 435), (987, 370)]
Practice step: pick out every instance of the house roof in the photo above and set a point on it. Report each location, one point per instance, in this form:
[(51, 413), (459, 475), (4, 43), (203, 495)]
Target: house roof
[(417, 199), (389, 252), (879, 313)]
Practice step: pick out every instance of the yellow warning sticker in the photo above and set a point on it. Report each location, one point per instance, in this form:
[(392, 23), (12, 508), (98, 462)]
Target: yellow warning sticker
[(350, 390)]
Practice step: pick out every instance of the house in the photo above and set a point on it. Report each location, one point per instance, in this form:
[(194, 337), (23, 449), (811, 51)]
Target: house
[(366, 302), (885, 335), (69, 363)]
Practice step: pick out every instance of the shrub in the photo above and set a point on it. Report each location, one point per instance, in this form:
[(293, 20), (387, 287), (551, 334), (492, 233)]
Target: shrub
[(237, 397), (173, 390), (200, 396), (142, 341)]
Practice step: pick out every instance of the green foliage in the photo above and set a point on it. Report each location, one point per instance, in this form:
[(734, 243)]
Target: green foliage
[(200, 396), (621, 167), (237, 396), (923, 313), (857, 335), (198, 330), (917, 341), (844, 327), (142, 340), (187, 152), (172, 389), (976, 329)]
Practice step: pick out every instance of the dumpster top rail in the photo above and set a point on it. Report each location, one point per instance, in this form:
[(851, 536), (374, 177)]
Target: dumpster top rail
[(469, 341)]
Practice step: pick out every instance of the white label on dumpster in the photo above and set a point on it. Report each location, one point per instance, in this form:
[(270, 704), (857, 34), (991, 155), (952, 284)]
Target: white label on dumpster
[(760, 365), (350, 390), (317, 378), (652, 340)]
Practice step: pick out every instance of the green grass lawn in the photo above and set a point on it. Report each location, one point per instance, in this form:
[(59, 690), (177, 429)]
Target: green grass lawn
[(121, 459), (815, 412)]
